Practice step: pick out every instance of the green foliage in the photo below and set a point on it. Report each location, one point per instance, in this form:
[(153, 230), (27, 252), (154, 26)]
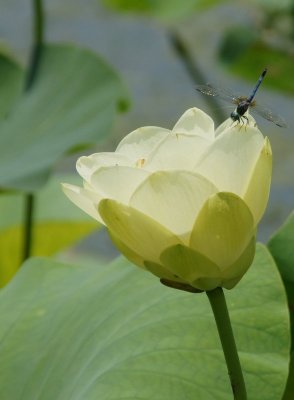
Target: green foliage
[(281, 246), (162, 9), (58, 224), (274, 5), (244, 54), (235, 42), (263, 56), (113, 332), (72, 102)]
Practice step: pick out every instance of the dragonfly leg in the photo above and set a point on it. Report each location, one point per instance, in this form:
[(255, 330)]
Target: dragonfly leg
[(247, 120), (236, 124), (244, 123)]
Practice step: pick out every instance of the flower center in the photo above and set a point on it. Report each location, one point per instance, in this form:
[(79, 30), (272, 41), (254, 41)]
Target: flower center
[(140, 163)]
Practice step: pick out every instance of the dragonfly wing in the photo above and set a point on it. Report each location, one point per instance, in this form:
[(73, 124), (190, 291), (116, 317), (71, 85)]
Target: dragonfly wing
[(215, 91), (268, 114)]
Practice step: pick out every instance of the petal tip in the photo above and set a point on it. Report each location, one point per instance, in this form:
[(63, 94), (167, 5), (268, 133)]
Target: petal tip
[(267, 149)]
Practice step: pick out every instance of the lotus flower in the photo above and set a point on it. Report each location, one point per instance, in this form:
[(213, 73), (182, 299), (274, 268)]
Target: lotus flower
[(184, 203)]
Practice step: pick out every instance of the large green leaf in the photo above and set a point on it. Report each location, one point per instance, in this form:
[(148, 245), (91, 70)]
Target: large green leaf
[(72, 102), (114, 332), (281, 246), (11, 83), (58, 224)]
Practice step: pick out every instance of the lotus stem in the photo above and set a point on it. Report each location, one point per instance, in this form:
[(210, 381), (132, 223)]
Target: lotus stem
[(38, 36), (219, 307)]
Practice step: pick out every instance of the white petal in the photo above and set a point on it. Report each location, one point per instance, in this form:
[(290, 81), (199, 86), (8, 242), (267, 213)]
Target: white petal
[(229, 123), (118, 183), (195, 122), (177, 151), (86, 166), (229, 160), (139, 143), (85, 199), (173, 199)]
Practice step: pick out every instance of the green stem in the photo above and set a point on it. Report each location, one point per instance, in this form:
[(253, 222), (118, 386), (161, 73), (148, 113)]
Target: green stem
[(38, 37), (219, 307), (181, 49), (28, 226)]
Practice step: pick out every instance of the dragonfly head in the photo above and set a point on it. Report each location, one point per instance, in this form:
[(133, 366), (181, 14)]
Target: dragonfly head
[(235, 116)]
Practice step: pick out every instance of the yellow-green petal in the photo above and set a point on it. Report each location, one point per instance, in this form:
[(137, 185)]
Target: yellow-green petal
[(161, 272), (173, 198), (127, 252), (232, 275), (195, 122), (140, 233), (223, 229), (193, 267), (257, 191)]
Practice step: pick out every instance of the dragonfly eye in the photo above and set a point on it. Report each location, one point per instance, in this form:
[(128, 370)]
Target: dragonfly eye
[(235, 116)]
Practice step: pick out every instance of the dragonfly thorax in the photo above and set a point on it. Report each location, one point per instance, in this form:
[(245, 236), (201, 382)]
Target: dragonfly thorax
[(241, 109)]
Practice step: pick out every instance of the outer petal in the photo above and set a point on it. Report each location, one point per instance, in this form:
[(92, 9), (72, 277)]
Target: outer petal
[(257, 191), (85, 199), (177, 151), (139, 143), (127, 252), (195, 122), (232, 275), (229, 161), (161, 272), (193, 267), (223, 229), (86, 166), (141, 234), (173, 198), (118, 183)]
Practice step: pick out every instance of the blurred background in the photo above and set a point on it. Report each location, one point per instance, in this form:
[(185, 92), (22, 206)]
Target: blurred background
[(162, 49)]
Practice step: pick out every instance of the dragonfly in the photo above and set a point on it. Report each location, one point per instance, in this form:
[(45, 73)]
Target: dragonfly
[(243, 103)]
